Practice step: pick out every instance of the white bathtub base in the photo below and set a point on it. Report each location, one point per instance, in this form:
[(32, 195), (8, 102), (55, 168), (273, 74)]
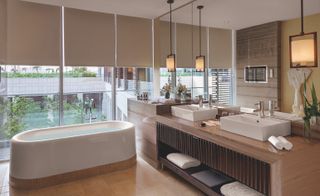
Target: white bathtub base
[(28, 184)]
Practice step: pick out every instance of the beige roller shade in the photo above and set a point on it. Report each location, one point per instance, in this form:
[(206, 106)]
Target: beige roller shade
[(3, 30), (89, 38), (204, 43), (156, 32), (220, 44), (163, 32), (184, 46), (134, 38), (33, 33), (164, 41)]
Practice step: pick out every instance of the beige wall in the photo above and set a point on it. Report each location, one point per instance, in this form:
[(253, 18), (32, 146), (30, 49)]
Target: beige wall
[(292, 27), (3, 30)]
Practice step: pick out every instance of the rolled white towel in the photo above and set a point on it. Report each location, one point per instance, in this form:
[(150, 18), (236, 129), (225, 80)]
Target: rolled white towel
[(286, 144), (238, 189), (183, 161), (276, 142)]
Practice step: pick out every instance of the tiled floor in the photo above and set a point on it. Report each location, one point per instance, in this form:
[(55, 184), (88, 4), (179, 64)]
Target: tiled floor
[(4, 153), (141, 179)]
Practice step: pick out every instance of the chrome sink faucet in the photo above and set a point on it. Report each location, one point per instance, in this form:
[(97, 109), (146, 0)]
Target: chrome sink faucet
[(200, 101), (260, 109), (271, 108), (211, 101)]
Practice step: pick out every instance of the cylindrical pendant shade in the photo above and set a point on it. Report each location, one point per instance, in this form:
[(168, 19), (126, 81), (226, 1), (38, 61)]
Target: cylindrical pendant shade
[(200, 63), (33, 33), (134, 37), (171, 63), (89, 38)]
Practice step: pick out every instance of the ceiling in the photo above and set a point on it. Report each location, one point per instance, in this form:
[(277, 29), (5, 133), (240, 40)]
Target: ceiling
[(230, 14)]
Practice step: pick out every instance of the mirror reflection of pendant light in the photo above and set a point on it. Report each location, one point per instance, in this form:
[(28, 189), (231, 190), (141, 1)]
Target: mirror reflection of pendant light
[(200, 60), (303, 47), (171, 58)]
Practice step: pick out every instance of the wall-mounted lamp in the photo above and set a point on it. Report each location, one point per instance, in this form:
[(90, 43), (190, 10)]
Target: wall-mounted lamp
[(171, 58), (200, 60), (303, 47)]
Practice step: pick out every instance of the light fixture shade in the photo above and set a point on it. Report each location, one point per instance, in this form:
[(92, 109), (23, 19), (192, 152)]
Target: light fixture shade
[(303, 50), (171, 63), (200, 63)]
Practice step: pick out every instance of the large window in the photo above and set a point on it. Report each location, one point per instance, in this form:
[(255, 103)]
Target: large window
[(28, 100), (87, 94)]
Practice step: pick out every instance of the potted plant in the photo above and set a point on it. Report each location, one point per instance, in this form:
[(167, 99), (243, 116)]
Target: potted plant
[(166, 89), (180, 90), (311, 109)]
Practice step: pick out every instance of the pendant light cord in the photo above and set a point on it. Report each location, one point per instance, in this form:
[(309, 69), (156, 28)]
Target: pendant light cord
[(170, 28), (302, 22), (200, 30), (200, 7)]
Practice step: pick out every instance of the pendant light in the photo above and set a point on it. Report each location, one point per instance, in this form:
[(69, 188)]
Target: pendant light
[(171, 58), (303, 47), (200, 60)]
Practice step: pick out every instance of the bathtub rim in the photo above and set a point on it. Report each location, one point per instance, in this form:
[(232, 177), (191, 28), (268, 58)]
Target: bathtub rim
[(15, 139)]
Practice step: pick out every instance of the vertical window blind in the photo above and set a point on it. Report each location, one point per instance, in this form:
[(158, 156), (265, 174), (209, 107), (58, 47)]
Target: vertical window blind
[(221, 85)]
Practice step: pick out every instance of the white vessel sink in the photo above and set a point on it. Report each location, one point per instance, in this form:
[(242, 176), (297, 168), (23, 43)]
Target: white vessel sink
[(194, 112), (255, 127), (223, 106)]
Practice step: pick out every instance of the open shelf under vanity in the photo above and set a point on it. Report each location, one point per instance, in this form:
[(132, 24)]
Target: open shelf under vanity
[(223, 162), (187, 174)]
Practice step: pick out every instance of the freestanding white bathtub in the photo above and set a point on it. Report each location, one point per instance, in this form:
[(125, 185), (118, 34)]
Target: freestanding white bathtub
[(43, 153)]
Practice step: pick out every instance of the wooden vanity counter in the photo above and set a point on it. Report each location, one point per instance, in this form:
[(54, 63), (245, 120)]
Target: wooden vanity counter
[(295, 172), (143, 115)]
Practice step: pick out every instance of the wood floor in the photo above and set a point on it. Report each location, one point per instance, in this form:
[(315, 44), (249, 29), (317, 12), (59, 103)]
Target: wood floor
[(141, 180)]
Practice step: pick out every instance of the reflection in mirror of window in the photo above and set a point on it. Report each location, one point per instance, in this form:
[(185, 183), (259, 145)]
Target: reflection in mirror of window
[(219, 82), (130, 83)]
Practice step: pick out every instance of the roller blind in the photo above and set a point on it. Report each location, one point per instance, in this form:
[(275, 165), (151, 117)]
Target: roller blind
[(184, 46), (89, 38), (156, 33), (196, 43), (134, 37), (33, 33), (3, 30), (164, 41), (220, 44)]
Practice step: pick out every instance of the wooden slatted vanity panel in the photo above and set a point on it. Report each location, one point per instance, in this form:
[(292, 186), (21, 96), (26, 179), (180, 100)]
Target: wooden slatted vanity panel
[(247, 170)]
